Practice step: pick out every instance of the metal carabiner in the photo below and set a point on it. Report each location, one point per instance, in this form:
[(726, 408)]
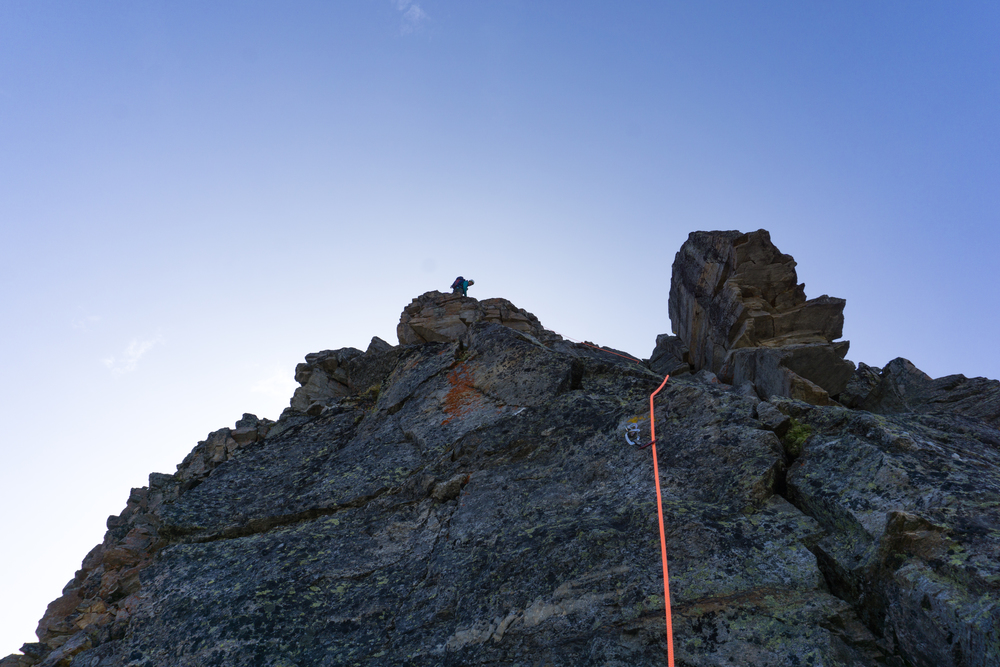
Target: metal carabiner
[(632, 430)]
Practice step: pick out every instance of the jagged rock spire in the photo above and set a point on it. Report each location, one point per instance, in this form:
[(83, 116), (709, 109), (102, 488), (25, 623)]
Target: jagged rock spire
[(736, 303)]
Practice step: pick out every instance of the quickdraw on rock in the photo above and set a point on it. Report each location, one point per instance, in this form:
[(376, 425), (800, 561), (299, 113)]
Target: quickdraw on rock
[(632, 430)]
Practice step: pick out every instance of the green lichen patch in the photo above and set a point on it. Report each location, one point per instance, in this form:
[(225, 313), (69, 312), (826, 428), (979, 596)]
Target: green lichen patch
[(795, 438)]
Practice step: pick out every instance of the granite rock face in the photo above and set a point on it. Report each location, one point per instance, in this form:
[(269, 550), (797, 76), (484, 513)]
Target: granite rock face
[(474, 501), (910, 510), (736, 304)]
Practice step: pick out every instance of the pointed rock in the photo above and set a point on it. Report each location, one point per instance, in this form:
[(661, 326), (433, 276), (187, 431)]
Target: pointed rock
[(736, 304)]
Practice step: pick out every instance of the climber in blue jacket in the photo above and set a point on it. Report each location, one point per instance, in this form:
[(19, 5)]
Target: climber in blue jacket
[(461, 285)]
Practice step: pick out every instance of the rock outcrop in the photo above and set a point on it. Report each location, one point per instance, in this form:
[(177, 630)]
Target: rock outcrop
[(473, 500), (670, 356), (330, 375), (901, 388), (735, 302), (436, 317)]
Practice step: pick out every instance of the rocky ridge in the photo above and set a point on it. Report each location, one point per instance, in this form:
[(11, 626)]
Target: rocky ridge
[(468, 497)]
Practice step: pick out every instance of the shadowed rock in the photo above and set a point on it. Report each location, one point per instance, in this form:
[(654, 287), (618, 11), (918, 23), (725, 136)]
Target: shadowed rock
[(909, 508), (862, 381), (902, 387), (670, 356)]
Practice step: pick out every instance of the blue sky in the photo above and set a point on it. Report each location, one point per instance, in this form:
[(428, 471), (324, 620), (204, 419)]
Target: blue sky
[(195, 195)]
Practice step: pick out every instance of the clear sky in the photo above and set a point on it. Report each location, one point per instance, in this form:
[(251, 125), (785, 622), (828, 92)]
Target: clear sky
[(195, 195)]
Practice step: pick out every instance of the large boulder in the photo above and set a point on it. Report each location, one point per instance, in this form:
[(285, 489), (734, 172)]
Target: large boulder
[(736, 303), (435, 317), (324, 379), (329, 376), (670, 356)]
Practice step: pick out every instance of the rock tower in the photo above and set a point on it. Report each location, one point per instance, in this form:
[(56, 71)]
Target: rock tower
[(738, 309)]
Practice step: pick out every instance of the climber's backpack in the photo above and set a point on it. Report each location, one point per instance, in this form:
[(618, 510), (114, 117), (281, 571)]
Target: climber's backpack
[(458, 282)]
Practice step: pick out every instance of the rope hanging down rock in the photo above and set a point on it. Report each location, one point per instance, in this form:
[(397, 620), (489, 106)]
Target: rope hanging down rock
[(663, 536), (629, 431)]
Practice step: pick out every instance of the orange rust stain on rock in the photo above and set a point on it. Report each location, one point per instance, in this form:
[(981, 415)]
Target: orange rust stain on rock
[(462, 397)]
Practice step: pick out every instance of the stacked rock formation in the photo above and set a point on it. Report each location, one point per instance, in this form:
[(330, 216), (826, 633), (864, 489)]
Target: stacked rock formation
[(330, 375), (736, 304), (435, 317), (471, 499)]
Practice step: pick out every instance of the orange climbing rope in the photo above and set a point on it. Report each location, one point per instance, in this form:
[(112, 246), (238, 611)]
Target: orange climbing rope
[(663, 534), (659, 502)]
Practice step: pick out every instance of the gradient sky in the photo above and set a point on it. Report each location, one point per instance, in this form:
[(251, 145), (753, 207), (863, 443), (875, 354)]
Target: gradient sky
[(195, 195)]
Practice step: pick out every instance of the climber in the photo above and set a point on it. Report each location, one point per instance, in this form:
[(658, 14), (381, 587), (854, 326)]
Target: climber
[(461, 285)]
